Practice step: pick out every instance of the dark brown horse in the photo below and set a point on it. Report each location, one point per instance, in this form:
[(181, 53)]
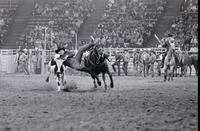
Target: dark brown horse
[(94, 64), (186, 61), (97, 62)]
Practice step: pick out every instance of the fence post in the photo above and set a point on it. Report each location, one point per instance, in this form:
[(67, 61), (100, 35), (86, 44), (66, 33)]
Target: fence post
[(43, 62)]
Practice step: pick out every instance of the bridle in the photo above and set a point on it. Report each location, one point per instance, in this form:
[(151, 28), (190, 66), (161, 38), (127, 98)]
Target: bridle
[(96, 54)]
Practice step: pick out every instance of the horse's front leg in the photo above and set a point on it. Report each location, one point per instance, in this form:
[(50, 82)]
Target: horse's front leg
[(94, 77), (144, 68), (104, 80), (171, 72), (190, 70), (185, 71), (94, 82), (182, 70), (165, 73), (98, 81)]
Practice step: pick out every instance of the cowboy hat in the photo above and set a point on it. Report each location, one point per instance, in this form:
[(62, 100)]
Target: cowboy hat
[(59, 49)]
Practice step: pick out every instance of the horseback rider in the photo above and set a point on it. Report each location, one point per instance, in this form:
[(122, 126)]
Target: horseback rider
[(171, 41)]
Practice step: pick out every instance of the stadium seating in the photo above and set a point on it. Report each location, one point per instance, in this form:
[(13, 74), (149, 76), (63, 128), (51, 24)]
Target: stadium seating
[(185, 26), (62, 19), (7, 11), (128, 23)]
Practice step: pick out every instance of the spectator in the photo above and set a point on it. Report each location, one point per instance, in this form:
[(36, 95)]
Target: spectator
[(126, 59)]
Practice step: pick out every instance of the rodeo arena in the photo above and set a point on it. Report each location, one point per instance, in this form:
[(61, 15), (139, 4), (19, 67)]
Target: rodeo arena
[(98, 65)]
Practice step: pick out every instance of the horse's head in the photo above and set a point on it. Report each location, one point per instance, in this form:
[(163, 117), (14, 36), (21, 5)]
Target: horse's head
[(97, 53), (165, 45)]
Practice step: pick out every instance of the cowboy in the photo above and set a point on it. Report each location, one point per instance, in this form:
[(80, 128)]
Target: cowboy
[(170, 40), (126, 59), (63, 53), (136, 61), (23, 61), (17, 60), (152, 60), (159, 59), (118, 58)]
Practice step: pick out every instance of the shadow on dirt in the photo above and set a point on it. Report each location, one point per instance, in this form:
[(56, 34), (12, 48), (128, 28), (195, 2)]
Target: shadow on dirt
[(83, 90)]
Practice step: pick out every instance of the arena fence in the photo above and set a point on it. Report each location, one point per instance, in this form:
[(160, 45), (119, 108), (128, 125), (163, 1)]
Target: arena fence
[(38, 59)]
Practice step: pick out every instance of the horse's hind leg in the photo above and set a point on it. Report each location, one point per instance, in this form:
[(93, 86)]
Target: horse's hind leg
[(94, 82), (190, 70), (111, 79), (93, 77), (144, 68), (148, 67), (165, 73), (98, 81), (169, 76), (104, 80), (172, 72), (185, 71)]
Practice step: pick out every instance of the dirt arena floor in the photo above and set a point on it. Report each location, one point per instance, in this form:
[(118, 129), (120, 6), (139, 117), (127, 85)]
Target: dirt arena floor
[(28, 103)]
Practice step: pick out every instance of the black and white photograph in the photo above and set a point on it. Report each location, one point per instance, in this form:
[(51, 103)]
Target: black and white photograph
[(98, 65)]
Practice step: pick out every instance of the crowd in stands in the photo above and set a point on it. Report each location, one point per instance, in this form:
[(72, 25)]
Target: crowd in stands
[(6, 15), (67, 17), (128, 23), (185, 26)]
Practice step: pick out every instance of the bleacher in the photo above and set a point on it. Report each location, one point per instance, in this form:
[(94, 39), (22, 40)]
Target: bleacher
[(60, 21), (140, 17), (7, 11)]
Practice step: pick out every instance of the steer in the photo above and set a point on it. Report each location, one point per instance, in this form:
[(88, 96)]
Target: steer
[(58, 68)]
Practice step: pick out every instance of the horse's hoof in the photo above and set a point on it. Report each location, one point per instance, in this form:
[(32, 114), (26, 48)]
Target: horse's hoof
[(99, 83)]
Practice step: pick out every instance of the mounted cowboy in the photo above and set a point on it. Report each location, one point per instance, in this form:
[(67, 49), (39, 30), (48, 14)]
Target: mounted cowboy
[(171, 41), (170, 59)]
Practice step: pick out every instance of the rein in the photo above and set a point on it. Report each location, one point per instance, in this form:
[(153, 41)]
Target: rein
[(97, 56)]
